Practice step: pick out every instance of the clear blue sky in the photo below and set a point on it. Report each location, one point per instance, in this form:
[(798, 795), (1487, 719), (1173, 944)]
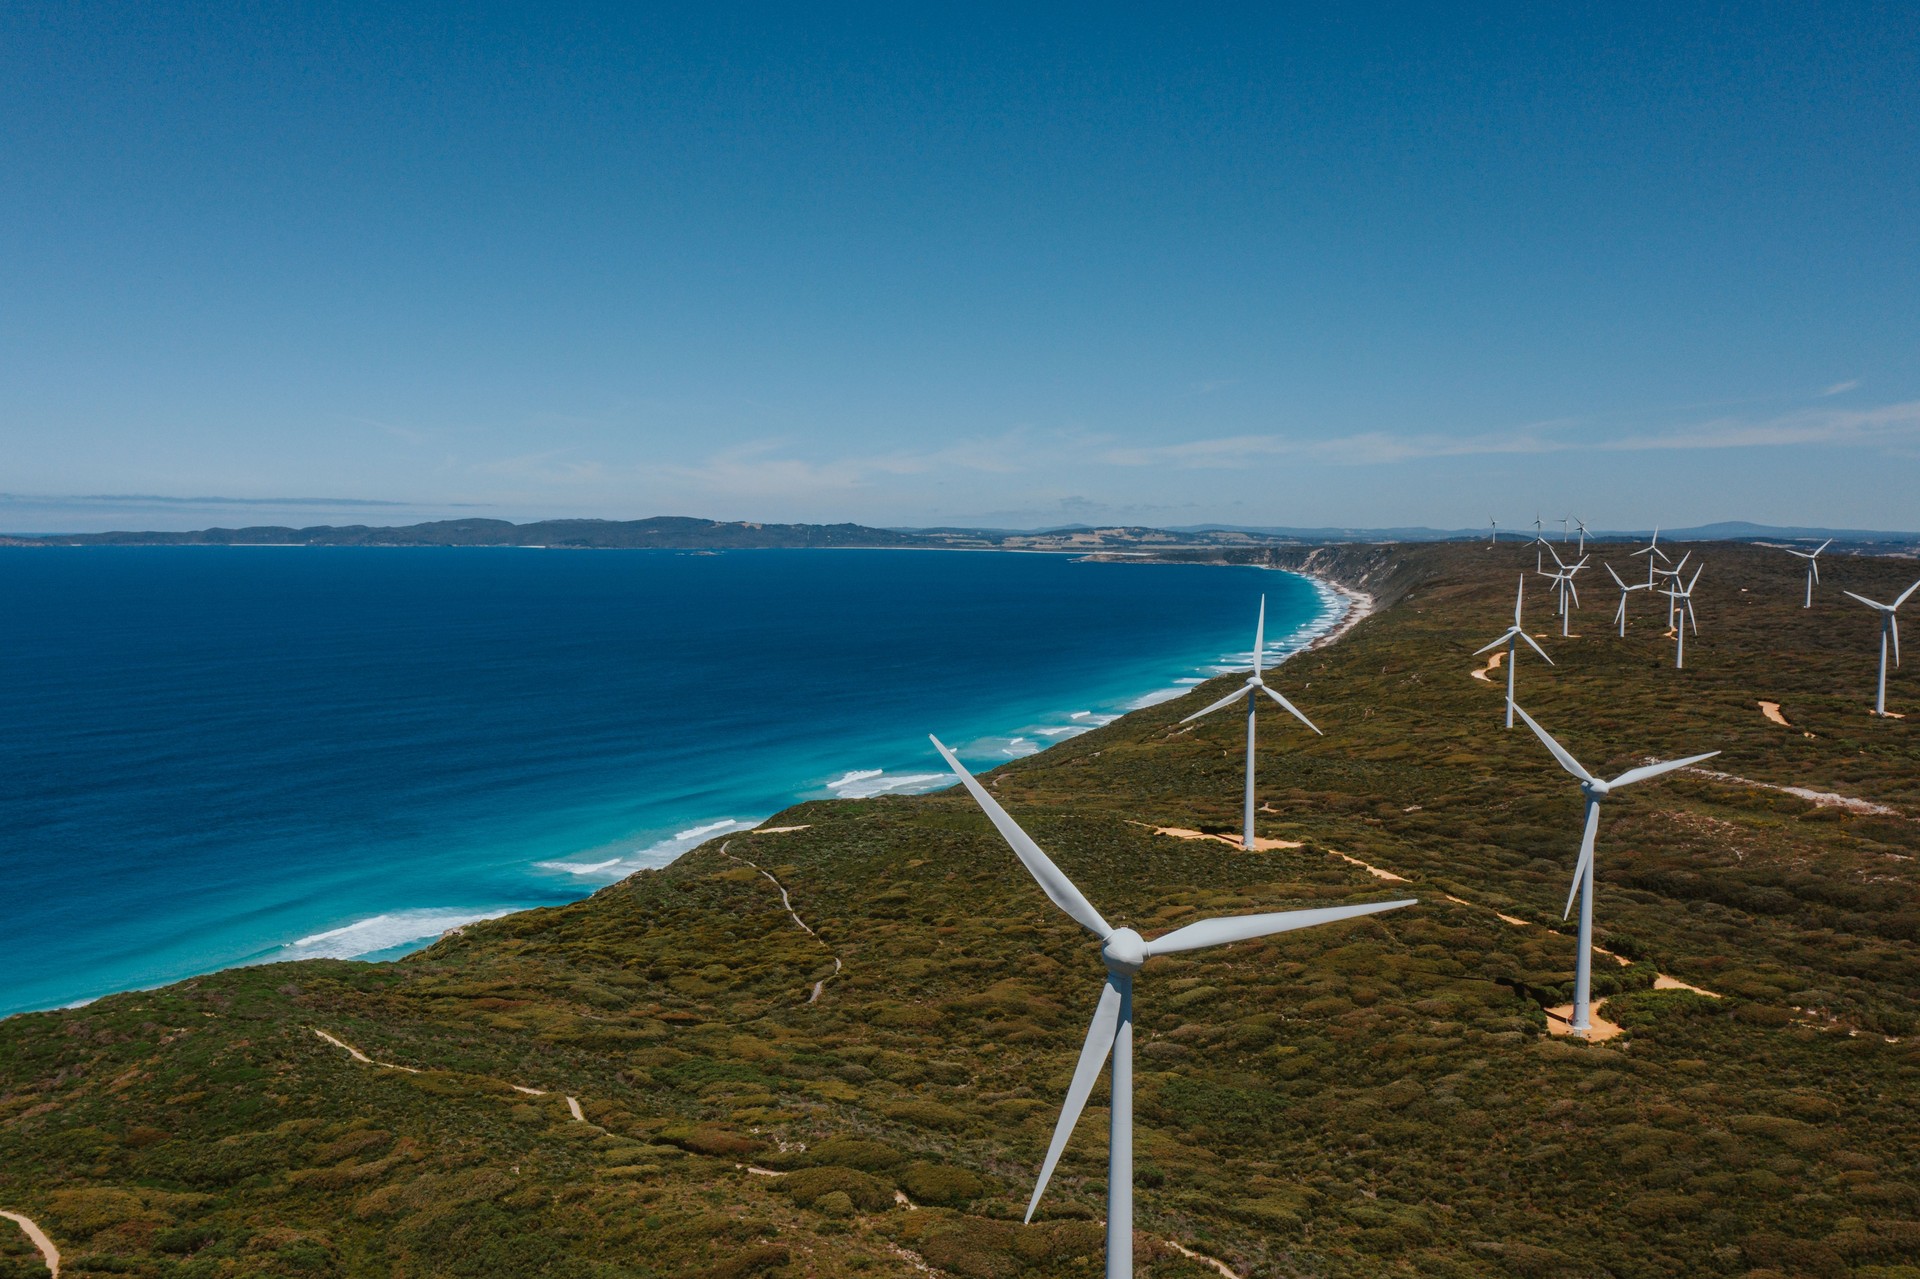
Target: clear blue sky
[(926, 265)]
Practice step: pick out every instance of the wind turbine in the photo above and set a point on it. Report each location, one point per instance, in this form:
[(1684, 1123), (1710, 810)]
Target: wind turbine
[(1650, 550), (1582, 526), (1595, 790), (1673, 573), (1511, 639), (1539, 540), (1493, 530), (1813, 566), (1889, 628), (1247, 690), (1563, 584), (1679, 613), (1620, 615), (1563, 528), (1124, 952)]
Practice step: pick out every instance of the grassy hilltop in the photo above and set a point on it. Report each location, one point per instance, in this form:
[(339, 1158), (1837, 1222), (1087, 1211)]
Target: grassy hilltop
[(1380, 1097)]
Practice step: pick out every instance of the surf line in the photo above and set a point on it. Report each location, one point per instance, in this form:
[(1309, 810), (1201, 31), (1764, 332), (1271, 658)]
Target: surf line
[(819, 987)]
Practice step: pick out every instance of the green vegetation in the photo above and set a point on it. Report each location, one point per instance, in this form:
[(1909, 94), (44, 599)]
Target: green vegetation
[(1372, 1098)]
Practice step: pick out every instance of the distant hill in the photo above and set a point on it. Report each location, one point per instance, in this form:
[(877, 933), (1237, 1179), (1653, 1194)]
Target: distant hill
[(685, 533)]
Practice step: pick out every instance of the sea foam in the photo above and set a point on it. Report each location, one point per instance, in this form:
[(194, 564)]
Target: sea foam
[(384, 932)]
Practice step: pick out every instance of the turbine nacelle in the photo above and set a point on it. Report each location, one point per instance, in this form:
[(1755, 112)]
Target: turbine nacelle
[(1124, 952)]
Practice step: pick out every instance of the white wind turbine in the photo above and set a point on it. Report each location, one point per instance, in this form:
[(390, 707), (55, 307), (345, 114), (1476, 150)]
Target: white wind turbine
[(1124, 952), (1673, 574), (1564, 521), (1680, 613), (1813, 566), (1511, 639), (1539, 540), (1595, 790), (1652, 551), (1582, 526), (1889, 629), (1254, 685), (1620, 614), (1493, 530)]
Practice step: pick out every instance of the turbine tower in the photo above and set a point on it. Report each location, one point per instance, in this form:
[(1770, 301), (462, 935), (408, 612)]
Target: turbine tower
[(1124, 952), (1889, 629), (1247, 690), (1620, 614), (1813, 566), (1595, 790), (1511, 639)]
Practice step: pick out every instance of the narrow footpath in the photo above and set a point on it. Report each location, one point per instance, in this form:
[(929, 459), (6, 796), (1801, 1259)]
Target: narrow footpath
[(819, 987), (38, 1238)]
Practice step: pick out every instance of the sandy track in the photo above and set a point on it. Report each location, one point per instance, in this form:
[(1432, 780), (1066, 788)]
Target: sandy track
[(573, 1103), (819, 987), (1772, 711), (1181, 832), (1485, 673), (38, 1238), (1826, 799)]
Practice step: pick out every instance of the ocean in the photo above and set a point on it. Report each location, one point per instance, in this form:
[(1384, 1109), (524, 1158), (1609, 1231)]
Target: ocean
[(217, 756)]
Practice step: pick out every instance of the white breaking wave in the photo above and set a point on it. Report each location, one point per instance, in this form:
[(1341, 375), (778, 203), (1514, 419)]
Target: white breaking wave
[(1156, 697), (653, 855), (383, 932), (1071, 730), (865, 783)]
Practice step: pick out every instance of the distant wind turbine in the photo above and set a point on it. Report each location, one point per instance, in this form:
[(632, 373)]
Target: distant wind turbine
[(1673, 574), (1813, 566), (1564, 521), (1254, 685), (1493, 530), (1889, 629), (1539, 540), (1620, 614), (1582, 525), (1595, 790), (1652, 550), (1511, 639), (1680, 611), (1124, 952)]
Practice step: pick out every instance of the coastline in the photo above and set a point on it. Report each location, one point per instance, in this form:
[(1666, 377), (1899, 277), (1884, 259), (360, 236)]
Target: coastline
[(1340, 608)]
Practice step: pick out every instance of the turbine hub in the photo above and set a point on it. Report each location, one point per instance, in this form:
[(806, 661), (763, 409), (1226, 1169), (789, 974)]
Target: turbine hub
[(1125, 952), (1596, 789), (1254, 681)]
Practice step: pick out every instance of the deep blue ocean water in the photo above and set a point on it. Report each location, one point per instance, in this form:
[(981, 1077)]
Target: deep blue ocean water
[(215, 756)]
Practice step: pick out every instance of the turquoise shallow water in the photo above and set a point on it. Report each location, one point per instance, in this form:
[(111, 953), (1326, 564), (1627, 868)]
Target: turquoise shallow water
[(214, 756)]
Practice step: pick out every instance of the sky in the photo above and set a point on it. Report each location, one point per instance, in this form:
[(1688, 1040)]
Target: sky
[(931, 265)]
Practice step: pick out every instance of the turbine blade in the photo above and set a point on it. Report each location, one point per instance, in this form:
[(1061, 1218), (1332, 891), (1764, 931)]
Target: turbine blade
[(1536, 648), (1903, 594), (1230, 928), (1864, 600), (1616, 578), (1813, 566), (1823, 546), (1586, 853), (1519, 597), (1567, 761), (1645, 771), (1260, 635), (1292, 709), (1513, 631), (1058, 888), (1228, 700), (1093, 1055), (1893, 626)]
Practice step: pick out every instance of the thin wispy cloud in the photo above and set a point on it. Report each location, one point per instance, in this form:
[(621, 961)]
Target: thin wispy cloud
[(1841, 388), (1887, 425)]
